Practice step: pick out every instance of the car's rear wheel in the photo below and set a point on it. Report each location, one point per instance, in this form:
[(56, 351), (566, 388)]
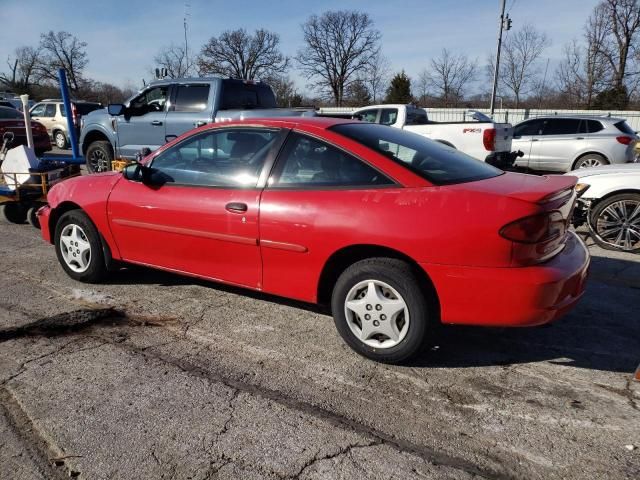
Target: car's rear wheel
[(14, 212), (78, 247), (380, 310), (615, 222), (60, 139), (99, 157), (590, 160)]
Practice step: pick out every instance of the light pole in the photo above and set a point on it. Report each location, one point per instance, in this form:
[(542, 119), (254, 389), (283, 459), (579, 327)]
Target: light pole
[(505, 23)]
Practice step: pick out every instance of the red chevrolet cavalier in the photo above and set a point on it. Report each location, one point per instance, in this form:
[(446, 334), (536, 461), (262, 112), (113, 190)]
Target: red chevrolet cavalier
[(394, 231)]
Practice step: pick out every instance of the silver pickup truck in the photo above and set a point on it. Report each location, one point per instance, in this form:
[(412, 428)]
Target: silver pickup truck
[(165, 109)]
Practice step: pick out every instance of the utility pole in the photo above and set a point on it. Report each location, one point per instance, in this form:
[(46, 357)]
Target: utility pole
[(505, 23), (186, 44)]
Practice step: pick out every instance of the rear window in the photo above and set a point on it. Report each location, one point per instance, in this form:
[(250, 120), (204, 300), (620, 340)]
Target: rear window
[(9, 113), (439, 164), (624, 127), (416, 116), (237, 94)]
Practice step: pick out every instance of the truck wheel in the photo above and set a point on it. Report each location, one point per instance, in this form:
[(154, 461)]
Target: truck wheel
[(99, 157), (14, 212), (32, 216), (61, 139)]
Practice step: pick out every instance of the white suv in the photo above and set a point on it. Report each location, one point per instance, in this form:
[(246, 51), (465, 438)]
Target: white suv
[(561, 144)]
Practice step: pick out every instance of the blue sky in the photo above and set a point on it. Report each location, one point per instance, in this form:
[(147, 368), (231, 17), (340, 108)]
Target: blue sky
[(124, 35)]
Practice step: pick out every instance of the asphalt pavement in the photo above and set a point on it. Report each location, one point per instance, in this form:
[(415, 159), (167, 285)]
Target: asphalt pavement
[(154, 376)]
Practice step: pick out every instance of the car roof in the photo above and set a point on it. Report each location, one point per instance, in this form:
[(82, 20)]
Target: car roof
[(576, 117)]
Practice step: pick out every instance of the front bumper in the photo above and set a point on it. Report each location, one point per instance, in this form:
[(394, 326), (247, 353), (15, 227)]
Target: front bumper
[(43, 217), (512, 297)]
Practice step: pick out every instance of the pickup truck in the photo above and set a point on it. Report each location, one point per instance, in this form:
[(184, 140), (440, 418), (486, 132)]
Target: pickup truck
[(483, 140), (165, 109)]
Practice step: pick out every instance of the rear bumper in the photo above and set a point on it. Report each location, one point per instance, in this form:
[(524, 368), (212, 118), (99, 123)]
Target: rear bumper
[(512, 297), (43, 217)]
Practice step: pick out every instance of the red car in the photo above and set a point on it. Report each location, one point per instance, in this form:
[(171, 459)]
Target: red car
[(12, 120), (394, 231)]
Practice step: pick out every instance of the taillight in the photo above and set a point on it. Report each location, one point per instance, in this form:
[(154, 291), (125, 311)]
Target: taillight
[(535, 228), (74, 112), (624, 140), (489, 139)]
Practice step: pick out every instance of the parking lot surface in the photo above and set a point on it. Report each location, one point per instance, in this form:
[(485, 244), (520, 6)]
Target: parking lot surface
[(152, 375)]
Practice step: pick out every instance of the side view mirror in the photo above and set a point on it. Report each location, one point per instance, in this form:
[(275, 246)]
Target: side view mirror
[(115, 109)]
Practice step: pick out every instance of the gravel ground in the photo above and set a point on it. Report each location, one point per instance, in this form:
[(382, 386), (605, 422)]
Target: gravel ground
[(156, 376)]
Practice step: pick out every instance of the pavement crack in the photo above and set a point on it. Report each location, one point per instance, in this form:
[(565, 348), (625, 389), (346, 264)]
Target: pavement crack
[(342, 451)]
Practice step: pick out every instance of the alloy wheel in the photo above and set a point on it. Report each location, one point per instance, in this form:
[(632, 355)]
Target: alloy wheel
[(619, 224), (590, 162), (99, 161)]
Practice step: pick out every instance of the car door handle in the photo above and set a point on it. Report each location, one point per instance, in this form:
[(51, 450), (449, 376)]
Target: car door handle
[(199, 124), (156, 123), (236, 207), (534, 139), (579, 138)]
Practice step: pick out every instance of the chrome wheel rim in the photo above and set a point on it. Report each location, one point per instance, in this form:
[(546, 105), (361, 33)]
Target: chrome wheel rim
[(99, 161), (75, 248), (619, 224), (590, 162), (60, 140), (376, 314)]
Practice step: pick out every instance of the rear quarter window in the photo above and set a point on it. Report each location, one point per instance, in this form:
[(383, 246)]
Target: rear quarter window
[(240, 95), (624, 127)]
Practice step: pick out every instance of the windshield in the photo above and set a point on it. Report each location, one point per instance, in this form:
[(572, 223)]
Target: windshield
[(437, 163)]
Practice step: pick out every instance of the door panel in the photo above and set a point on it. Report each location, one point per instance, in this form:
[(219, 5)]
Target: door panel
[(144, 122), (191, 107), (554, 148), (188, 229), (524, 135)]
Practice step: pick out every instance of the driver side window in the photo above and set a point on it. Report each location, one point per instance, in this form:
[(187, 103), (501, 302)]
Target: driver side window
[(151, 100), (217, 158)]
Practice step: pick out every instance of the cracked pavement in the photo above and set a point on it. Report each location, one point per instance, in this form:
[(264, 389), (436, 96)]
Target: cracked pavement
[(152, 375)]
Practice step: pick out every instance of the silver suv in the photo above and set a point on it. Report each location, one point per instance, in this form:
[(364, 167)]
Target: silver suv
[(561, 144), (51, 114)]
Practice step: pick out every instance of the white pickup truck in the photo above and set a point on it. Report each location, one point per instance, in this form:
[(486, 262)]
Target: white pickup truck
[(484, 140)]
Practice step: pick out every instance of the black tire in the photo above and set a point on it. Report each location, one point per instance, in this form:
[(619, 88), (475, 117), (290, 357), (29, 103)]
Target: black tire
[(96, 270), (599, 213), (60, 139), (99, 156), (596, 159), (14, 212), (32, 216), (401, 277)]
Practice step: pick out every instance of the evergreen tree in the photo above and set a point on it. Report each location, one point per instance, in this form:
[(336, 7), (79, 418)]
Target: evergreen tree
[(399, 90)]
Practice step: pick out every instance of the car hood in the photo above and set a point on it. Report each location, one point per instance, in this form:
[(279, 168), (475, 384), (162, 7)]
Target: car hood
[(628, 168)]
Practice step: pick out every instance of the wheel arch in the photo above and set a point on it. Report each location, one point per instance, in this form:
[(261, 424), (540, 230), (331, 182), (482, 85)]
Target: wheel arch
[(94, 136), (613, 193), (68, 206), (341, 259), (584, 154)]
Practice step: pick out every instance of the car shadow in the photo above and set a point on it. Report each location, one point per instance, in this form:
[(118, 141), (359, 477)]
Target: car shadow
[(601, 333)]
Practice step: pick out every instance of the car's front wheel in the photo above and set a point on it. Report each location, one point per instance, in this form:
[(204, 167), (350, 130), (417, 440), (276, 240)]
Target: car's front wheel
[(78, 247), (380, 310), (615, 222), (99, 157)]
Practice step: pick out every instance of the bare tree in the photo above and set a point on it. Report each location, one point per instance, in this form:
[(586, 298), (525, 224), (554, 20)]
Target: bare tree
[(23, 69), (376, 77), (583, 73), (339, 47), (422, 86), (63, 50), (622, 23), (174, 59), (285, 91), (449, 76), (241, 55), (518, 64)]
